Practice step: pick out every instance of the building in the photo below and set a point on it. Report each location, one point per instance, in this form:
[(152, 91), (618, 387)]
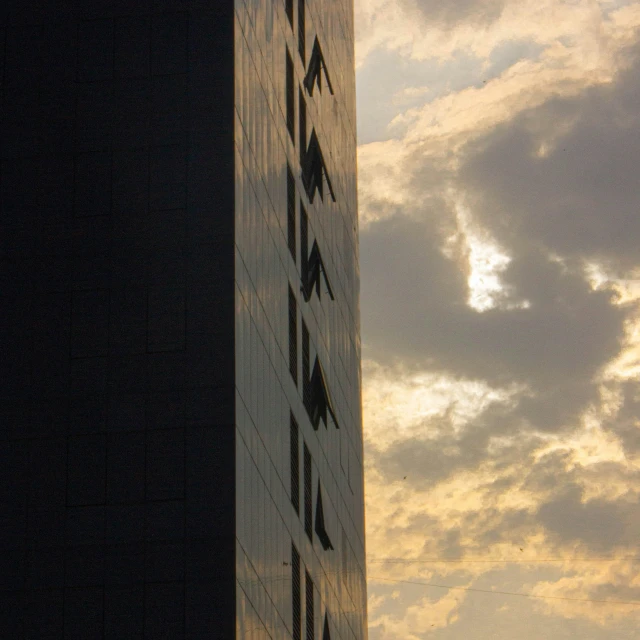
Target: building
[(181, 443)]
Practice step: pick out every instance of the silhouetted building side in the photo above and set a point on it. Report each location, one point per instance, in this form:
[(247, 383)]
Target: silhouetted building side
[(181, 440)]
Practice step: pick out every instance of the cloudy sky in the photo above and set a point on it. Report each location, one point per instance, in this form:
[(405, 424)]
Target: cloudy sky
[(499, 164)]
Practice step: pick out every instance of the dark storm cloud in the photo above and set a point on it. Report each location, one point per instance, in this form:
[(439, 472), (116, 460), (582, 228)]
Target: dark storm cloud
[(580, 198)]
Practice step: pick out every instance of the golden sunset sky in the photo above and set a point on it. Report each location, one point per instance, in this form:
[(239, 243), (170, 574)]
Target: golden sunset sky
[(499, 172)]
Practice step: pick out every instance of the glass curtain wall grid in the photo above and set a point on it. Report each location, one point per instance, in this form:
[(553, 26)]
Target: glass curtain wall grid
[(313, 154)]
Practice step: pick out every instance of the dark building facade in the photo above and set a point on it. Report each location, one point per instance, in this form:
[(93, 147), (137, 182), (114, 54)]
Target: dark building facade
[(181, 440)]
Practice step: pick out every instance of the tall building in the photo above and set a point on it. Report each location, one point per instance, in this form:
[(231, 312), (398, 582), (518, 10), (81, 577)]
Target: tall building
[(181, 440)]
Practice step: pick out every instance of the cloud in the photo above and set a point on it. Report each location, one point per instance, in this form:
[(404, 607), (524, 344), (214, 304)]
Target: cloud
[(549, 329), (567, 332), (564, 175), (423, 615), (425, 29), (624, 421), (502, 438), (449, 14), (600, 524)]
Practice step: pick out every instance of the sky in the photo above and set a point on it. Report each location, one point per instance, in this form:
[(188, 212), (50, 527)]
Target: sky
[(498, 160)]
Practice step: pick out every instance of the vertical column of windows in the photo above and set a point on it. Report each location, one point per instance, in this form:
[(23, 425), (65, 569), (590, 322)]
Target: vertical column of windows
[(304, 239), (296, 595), (288, 7), (301, 31), (310, 617), (290, 97), (291, 213), (306, 378), (295, 463), (308, 508), (302, 125), (315, 394), (345, 558), (293, 336)]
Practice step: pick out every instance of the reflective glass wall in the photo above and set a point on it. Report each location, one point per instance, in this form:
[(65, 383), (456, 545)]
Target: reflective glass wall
[(299, 476)]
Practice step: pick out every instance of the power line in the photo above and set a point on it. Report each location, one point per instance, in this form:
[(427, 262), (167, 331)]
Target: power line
[(501, 560), (634, 603)]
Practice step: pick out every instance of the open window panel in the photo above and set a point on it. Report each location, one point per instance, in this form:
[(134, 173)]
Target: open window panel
[(315, 393), (315, 270), (321, 405), (317, 66), (313, 267), (321, 531), (314, 170)]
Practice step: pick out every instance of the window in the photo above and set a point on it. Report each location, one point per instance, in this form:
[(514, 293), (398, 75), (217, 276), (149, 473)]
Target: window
[(306, 379), (302, 126), (310, 607), (295, 464), (321, 400), (314, 170), (301, 30), (288, 7), (290, 98), (316, 66), (291, 212), (326, 634), (296, 593), (321, 532), (312, 265), (304, 237), (345, 558), (315, 394), (311, 274), (308, 515), (316, 398), (293, 336)]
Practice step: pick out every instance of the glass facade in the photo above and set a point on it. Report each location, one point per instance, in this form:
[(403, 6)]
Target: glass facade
[(179, 321), (299, 476)]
